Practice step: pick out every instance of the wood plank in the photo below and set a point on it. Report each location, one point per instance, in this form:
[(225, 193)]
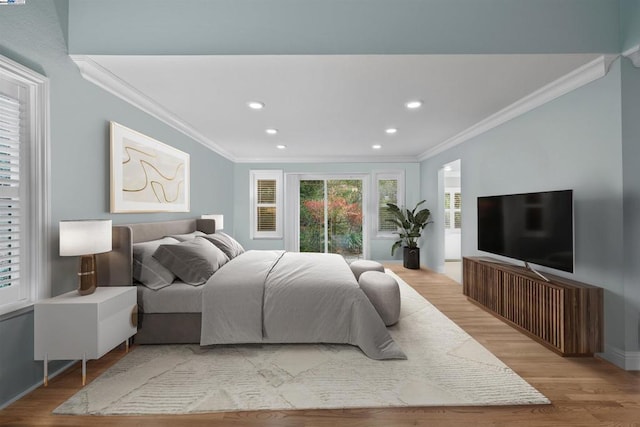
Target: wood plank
[(584, 391)]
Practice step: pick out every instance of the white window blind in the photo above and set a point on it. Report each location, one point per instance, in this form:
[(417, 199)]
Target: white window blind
[(387, 193), (389, 188), (24, 186), (266, 204), (9, 192), (452, 208)]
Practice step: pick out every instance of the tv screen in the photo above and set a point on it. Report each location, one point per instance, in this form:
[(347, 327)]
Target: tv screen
[(531, 227)]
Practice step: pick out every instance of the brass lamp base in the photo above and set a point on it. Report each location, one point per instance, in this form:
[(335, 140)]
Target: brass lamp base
[(87, 275)]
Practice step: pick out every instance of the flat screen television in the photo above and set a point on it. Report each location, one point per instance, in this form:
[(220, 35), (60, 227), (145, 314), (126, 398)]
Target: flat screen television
[(531, 227)]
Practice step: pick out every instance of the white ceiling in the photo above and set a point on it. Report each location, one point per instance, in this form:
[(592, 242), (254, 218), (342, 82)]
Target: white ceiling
[(335, 107)]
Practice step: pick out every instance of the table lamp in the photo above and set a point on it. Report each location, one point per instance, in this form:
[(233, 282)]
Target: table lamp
[(85, 238), (219, 218)]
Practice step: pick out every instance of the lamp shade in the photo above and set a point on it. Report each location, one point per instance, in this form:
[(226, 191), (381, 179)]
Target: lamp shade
[(219, 218), (85, 237)]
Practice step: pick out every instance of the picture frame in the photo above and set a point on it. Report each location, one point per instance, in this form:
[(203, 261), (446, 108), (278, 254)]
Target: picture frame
[(147, 175)]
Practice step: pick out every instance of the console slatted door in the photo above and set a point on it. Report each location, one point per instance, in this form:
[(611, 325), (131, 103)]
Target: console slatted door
[(537, 307), (563, 314), (483, 284)]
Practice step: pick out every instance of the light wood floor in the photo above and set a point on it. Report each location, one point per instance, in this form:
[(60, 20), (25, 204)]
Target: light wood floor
[(584, 391)]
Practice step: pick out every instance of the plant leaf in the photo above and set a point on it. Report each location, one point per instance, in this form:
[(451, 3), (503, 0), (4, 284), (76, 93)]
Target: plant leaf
[(410, 224)]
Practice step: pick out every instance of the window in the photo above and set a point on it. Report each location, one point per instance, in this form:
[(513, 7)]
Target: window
[(24, 167), (452, 208), (389, 188), (266, 204)]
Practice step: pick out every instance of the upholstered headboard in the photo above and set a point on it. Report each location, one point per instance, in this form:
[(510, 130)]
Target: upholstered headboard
[(115, 268)]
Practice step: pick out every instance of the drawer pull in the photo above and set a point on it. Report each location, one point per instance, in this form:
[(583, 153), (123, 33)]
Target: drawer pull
[(134, 316)]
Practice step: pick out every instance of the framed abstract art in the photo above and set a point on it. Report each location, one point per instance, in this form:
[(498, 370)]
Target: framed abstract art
[(147, 175)]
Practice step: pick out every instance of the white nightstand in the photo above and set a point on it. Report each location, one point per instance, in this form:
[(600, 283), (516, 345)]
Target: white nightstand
[(71, 326)]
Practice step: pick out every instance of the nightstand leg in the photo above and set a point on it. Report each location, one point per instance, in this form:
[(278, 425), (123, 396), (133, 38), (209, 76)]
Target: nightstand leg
[(126, 346), (46, 369), (84, 369)]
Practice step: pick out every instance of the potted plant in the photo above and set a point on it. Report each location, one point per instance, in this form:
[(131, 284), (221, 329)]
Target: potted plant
[(410, 225)]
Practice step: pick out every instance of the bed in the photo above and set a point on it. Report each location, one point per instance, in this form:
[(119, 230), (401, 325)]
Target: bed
[(255, 297)]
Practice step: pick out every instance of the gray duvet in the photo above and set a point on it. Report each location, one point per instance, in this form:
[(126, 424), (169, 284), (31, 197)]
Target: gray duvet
[(289, 297)]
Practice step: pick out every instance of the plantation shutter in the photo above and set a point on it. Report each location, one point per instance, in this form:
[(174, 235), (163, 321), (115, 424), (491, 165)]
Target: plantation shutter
[(388, 188), (9, 191), (457, 215), (266, 204), (452, 209), (387, 193)]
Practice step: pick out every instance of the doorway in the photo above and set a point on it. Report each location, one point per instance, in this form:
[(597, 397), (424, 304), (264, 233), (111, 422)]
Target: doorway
[(332, 215), (452, 216)]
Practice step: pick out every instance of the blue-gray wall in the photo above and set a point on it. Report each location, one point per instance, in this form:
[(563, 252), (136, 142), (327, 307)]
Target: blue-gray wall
[(341, 27), (80, 113), (631, 185), (629, 24), (380, 249), (573, 142)]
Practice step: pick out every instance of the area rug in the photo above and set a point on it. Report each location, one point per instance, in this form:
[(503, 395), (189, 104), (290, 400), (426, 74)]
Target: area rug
[(445, 367)]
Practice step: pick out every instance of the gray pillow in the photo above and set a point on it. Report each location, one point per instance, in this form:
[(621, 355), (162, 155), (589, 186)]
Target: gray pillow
[(193, 261), (146, 269), (187, 236), (226, 243)]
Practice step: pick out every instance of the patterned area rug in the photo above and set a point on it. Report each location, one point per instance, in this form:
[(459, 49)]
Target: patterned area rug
[(445, 367)]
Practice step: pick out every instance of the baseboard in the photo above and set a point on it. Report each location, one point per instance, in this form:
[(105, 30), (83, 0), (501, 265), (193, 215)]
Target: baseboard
[(627, 360), (38, 384), (632, 361)]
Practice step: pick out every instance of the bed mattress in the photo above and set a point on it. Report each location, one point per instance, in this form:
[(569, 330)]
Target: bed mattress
[(177, 298)]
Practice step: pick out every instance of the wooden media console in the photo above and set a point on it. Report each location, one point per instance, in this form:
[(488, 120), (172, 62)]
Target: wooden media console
[(564, 315)]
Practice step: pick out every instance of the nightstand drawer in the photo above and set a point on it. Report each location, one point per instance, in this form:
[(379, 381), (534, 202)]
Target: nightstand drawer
[(116, 304), (111, 329)]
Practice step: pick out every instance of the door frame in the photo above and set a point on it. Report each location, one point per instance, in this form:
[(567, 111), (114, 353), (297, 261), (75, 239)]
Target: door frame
[(442, 175)]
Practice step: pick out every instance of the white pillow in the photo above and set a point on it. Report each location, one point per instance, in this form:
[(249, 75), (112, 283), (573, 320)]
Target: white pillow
[(187, 236)]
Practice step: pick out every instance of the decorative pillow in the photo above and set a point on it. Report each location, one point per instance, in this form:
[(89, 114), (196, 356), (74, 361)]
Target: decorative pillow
[(187, 236), (193, 261), (226, 243), (146, 269)]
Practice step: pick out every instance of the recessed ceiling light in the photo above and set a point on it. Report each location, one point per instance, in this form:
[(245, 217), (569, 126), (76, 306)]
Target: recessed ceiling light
[(281, 147), (391, 131), (412, 105), (271, 131), (255, 105), (376, 146)]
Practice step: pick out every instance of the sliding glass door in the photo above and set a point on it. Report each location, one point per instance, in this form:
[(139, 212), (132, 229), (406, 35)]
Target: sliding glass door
[(331, 216)]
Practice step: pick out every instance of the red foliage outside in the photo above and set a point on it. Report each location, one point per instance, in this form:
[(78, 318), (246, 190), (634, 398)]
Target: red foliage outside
[(339, 210)]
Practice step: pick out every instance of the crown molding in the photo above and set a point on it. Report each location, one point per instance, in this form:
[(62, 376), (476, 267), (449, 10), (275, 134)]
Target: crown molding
[(330, 159), (101, 77), (577, 78), (633, 54)]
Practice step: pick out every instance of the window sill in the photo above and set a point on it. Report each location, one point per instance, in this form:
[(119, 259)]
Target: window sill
[(386, 237), (17, 311)]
